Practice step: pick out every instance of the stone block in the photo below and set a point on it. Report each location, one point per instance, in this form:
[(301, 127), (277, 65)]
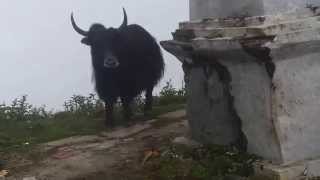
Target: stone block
[(259, 79), (186, 142), (273, 83), (251, 89), (201, 9), (297, 101), (308, 169)]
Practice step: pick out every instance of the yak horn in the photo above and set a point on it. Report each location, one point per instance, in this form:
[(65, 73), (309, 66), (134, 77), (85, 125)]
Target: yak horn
[(125, 19), (76, 28)]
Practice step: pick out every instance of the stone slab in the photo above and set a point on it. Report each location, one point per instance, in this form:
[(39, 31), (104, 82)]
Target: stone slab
[(97, 146), (262, 30), (290, 29), (70, 140), (248, 21), (186, 142), (126, 132), (298, 171), (29, 178), (174, 115)]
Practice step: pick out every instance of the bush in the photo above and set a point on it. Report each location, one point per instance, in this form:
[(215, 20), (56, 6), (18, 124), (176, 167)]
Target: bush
[(21, 110), (170, 95), (83, 105)]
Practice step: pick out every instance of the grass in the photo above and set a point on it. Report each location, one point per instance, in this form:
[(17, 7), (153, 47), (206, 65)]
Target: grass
[(202, 163), (23, 125), (15, 135)]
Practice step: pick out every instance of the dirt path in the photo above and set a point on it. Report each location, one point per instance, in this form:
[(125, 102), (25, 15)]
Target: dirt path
[(111, 155)]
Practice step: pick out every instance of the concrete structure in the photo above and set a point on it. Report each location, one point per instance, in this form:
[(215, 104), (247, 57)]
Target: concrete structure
[(200, 9), (253, 81)]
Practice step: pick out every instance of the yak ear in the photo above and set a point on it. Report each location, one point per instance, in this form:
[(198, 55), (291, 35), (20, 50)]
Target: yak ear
[(85, 41)]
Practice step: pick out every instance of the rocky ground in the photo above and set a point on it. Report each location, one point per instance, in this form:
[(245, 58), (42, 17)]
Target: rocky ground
[(120, 154)]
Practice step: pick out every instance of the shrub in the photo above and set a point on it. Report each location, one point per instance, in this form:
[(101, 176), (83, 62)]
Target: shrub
[(170, 95), (21, 110), (83, 105)]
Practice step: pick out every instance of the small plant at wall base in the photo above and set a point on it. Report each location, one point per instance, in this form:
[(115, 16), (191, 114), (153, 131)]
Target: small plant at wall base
[(169, 94)]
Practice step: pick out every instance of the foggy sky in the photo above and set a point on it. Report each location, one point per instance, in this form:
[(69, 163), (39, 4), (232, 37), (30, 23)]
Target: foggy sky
[(42, 56)]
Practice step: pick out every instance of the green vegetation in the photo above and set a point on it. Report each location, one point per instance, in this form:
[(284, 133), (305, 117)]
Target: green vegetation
[(23, 125), (210, 162), (169, 95)]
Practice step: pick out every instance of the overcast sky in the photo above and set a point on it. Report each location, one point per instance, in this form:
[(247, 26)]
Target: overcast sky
[(42, 56)]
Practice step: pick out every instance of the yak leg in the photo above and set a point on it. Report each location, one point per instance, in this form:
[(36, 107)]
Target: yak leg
[(126, 102), (148, 102), (109, 118)]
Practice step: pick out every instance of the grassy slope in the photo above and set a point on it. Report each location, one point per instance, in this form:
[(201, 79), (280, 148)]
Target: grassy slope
[(17, 135)]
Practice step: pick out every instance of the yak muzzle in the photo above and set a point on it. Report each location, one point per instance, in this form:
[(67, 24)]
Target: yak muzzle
[(111, 62)]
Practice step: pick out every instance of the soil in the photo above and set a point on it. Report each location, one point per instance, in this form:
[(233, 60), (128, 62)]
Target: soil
[(114, 155)]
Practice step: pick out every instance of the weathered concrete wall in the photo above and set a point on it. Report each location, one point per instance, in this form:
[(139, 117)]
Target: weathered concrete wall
[(280, 6), (279, 114), (297, 94), (314, 2), (208, 108), (200, 9), (252, 92), (256, 77)]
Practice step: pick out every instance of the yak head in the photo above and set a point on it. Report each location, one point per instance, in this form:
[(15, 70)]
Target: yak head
[(105, 43)]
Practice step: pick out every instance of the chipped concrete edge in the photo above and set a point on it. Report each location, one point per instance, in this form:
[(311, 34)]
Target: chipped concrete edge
[(296, 171)]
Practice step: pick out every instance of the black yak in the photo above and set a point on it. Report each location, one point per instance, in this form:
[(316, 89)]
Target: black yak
[(126, 62)]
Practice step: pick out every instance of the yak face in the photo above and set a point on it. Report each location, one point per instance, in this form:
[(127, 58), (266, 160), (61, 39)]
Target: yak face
[(104, 42), (104, 45)]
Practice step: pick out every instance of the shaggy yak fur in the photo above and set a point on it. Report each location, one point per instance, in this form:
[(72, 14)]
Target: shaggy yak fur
[(126, 62)]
